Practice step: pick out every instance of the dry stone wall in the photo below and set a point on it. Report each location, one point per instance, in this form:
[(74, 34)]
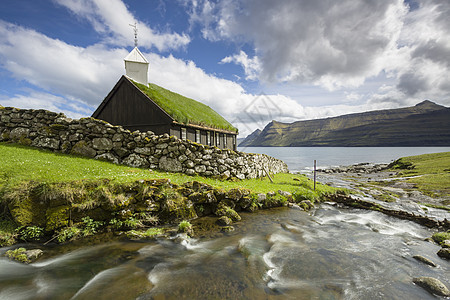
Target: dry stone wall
[(100, 140)]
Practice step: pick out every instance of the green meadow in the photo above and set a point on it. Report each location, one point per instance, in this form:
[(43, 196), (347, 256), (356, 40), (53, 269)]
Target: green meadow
[(429, 172)]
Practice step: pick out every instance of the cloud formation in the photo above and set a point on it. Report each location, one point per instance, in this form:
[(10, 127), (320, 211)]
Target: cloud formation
[(334, 43), (337, 44), (109, 17)]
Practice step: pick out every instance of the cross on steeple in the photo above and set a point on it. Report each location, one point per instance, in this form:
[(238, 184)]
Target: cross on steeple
[(135, 33)]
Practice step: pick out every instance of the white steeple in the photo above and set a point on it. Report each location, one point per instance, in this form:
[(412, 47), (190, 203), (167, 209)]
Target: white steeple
[(136, 66)]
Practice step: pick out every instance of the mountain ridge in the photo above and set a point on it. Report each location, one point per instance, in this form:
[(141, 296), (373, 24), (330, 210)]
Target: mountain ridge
[(389, 127)]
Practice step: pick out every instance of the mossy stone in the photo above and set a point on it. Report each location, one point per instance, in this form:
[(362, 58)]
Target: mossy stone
[(28, 212), (57, 217)]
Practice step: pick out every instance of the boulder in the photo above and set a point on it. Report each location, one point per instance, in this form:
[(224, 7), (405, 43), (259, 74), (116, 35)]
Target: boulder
[(135, 161), (82, 148), (432, 285), (109, 157), (444, 253), (19, 133), (144, 150), (102, 144), (170, 164), (200, 169), (46, 142)]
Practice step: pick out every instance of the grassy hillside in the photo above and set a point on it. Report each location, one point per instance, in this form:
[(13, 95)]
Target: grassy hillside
[(43, 193), (20, 163), (432, 171), (185, 110)]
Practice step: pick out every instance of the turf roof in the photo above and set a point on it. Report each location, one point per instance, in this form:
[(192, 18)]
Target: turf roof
[(185, 110)]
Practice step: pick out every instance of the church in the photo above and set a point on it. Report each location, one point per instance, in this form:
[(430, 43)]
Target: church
[(135, 104)]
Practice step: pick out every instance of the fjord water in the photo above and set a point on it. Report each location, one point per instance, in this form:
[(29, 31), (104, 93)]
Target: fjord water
[(300, 158), (329, 253)]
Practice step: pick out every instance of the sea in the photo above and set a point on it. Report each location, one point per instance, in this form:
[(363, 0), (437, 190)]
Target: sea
[(302, 158)]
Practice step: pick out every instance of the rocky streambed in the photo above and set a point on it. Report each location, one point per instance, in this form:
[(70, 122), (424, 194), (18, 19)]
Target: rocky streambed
[(377, 188)]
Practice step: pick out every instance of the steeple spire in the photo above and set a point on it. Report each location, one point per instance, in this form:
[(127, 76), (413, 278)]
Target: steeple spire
[(135, 33)]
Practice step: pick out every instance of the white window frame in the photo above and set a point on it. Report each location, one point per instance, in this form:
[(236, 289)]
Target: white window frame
[(208, 138), (224, 140), (183, 134), (217, 139), (197, 136)]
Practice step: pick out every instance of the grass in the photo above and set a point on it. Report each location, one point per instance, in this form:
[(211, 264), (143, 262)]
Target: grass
[(433, 169), (21, 164), (185, 110)]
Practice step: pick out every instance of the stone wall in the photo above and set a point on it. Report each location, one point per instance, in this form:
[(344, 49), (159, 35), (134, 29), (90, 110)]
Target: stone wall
[(100, 140)]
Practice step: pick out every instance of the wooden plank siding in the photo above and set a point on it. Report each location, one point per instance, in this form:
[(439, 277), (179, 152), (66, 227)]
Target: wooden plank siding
[(127, 106)]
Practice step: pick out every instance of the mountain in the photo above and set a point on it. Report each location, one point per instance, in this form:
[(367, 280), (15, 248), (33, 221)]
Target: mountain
[(425, 124), (250, 138)]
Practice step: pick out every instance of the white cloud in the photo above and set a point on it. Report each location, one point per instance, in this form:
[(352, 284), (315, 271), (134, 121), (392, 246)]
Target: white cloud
[(85, 74), (112, 17), (38, 100), (252, 66)]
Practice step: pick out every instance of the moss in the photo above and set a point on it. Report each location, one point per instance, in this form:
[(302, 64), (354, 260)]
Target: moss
[(25, 141), (175, 207), (58, 127), (5, 135), (440, 237), (8, 233), (57, 217), (18, 255), (150, 233), (275, 201), (184, 226), (223, 210)]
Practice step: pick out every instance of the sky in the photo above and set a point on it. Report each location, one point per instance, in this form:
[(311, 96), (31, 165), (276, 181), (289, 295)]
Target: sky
[(253, 61)]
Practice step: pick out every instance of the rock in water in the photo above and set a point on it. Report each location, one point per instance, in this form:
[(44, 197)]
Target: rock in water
[(444, 253), (424, 260), (34, 254), (432, 285)]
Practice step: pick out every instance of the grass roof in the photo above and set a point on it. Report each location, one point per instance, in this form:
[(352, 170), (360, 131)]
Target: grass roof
[(185, 110)]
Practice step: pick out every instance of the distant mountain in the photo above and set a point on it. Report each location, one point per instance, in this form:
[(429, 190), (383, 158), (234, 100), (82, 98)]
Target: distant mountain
[(425, 124), (250, 138)]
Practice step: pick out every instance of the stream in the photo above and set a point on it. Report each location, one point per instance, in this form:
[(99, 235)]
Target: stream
[(327, 253)]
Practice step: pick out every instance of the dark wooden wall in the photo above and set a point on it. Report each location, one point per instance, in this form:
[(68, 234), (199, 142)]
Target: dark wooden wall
[(130, 108)]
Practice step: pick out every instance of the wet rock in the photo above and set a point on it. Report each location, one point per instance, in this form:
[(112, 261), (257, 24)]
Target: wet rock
[(424, 260), (227, 229), (24, 256), (444, 253), (33, 254), (445, 244), (432, 285), (224, 221), (306, 205)]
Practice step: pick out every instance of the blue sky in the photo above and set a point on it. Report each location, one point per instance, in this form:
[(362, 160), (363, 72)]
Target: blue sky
[(251, 60)]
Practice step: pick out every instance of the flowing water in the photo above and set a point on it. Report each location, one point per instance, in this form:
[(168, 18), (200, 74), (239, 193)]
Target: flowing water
[(329, 253)]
